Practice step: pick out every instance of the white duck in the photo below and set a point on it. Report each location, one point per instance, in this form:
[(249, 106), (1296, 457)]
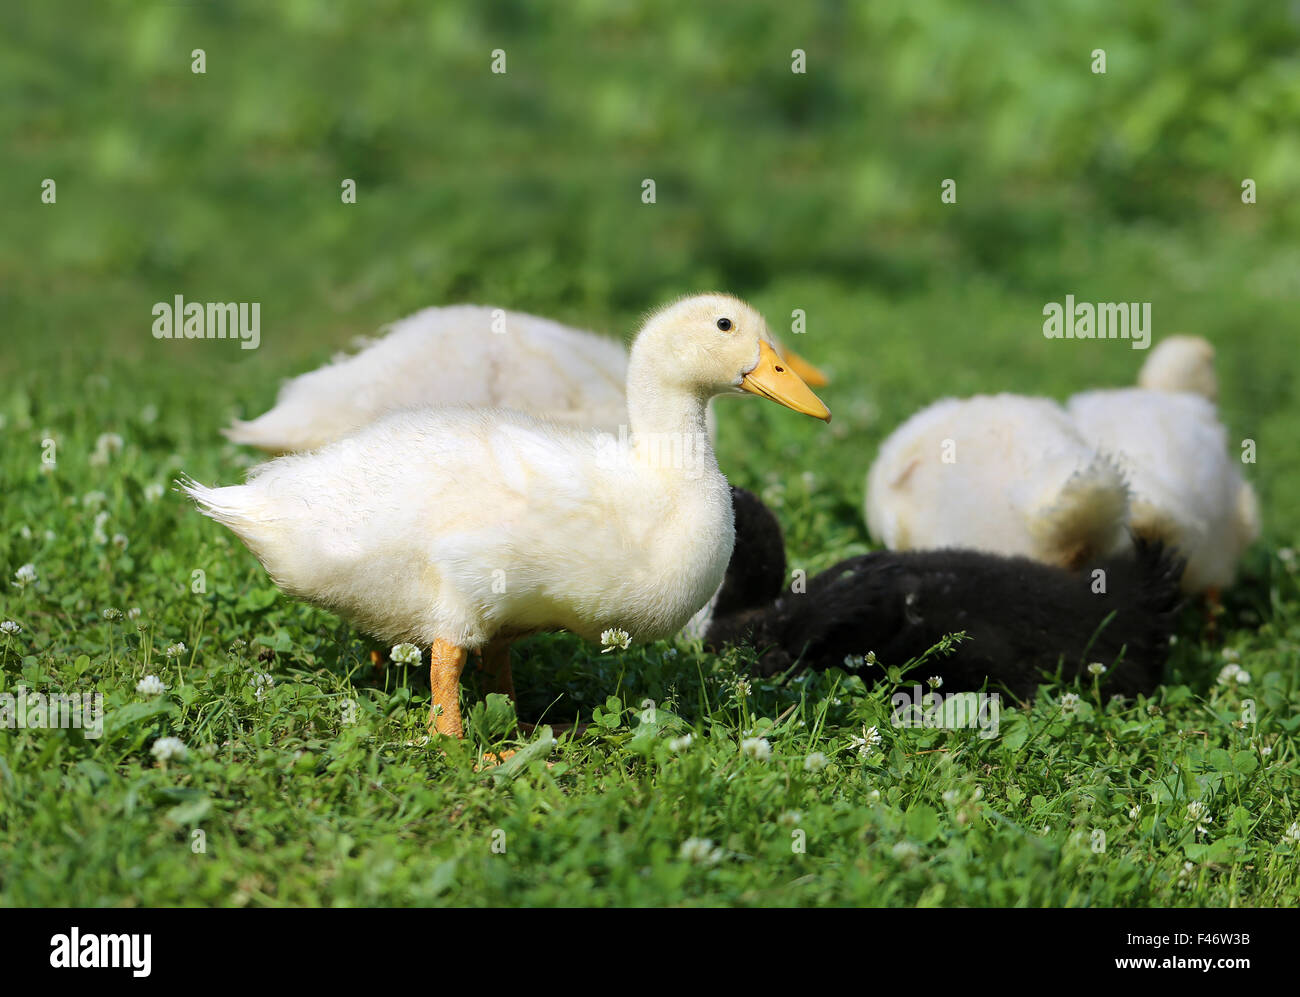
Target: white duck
[(1002, 473), (1186, 488), (461, 528), (459, 355), (1181, 363)]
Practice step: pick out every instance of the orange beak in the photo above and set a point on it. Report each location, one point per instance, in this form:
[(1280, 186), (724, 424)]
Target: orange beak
[(774, 379), (813, 376)]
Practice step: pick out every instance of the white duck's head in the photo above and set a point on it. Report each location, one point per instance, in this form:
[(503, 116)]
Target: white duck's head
[(714, 344), (1181, 363)]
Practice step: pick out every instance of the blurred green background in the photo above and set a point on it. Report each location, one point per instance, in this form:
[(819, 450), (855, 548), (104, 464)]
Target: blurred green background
[(818, 191)]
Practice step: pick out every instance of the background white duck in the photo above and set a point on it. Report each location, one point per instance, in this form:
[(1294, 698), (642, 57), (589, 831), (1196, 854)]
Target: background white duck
[(1181, 363), (1006, 474), (1186, 484), (461, 528), (469, 355)]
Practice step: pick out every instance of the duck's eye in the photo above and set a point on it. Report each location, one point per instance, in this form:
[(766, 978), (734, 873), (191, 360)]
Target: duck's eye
[(724, 324)]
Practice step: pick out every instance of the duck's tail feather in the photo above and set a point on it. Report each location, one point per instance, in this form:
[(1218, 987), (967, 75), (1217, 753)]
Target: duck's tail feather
[(269, 432), (1084, 519), (233, 507)]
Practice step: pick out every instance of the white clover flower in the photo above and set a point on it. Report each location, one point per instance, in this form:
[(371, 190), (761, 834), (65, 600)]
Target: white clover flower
[(50, 536), (109, 443), (175, 650), (789, 818), (1186, 873), (743, 688), (700, 851), (26, 575), (98, 535), (405, 654), (870, 657), (25, 532), (10, 627), (852, 662), (92, 499), (1199, 814), (133, 613), (615, 639), (905, 853), (1069, 703), (873, 796), (261, 683), (1135, 811), (681, 743), (934, 681), (153, 491), (1266, 750), (112, 614), (150, 685), (757, 748), (1292, 835), (1231, 654), (951, 796), (1233, 672), (1096, 668), (815, 762), (870, 739), (167, 748), (120, 541)]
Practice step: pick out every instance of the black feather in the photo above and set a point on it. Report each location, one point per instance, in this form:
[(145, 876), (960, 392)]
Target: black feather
[(1023, 619)]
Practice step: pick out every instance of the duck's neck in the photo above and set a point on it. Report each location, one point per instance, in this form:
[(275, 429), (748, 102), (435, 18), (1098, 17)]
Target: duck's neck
[(668, 425)]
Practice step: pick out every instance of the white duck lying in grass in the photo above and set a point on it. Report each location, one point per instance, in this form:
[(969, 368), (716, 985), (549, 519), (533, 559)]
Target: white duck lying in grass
[(467, 355), (1003, 474), (462, 529), (1185, 484)]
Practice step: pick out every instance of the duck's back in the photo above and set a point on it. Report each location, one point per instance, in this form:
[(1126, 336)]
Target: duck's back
[(1002, 473), (1022, 618), (1186, 488), (461, 355)]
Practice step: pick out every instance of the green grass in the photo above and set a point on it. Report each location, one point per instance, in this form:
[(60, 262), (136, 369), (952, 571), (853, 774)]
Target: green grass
[(816, 192)]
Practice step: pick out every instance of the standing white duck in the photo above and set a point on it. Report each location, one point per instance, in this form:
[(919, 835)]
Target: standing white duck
[(459, 355), (1005, 474), (457, 528), (1186, 489)]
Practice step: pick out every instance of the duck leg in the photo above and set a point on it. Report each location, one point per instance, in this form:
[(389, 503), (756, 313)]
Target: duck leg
[(494, 662), (447, 661), (1213, 610)]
